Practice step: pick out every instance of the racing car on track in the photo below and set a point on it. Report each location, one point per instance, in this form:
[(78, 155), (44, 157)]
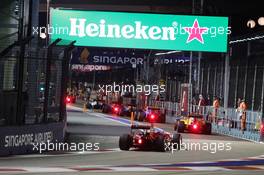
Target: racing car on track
[(70, 99), (147, 137), (194, 123), (151, 114), (113, 108)]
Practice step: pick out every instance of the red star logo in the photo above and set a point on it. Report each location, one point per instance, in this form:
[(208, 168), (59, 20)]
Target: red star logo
[(195, 32)]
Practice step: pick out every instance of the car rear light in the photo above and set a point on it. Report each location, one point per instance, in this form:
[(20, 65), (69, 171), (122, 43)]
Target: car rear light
[(115, 109), (68, 99), (139, 141), (262, 129), (152, 116), (195, 126)]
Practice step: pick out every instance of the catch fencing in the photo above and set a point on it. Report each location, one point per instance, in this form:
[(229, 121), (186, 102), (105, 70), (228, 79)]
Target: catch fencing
[(227, 121)]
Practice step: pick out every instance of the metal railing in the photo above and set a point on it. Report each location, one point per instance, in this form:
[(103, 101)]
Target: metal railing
[(227, 121)]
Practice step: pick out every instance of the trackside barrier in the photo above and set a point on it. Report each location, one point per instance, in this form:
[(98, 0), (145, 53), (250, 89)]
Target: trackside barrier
[(227, 121), (246, 135)]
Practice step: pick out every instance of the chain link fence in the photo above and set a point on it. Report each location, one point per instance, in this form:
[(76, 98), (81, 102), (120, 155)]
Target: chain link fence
[(228, 120)]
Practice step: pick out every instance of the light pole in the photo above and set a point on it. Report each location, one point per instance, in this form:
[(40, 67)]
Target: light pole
[(251, 23), (47, 27)]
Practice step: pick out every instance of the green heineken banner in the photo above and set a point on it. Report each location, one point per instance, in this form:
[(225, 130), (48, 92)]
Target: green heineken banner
[(140, 30)]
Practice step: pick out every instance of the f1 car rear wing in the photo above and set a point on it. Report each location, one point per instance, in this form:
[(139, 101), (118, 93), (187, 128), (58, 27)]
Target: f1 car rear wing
[(140, 126)]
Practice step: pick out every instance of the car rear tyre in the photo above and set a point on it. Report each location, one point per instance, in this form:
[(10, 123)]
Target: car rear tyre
[(160, 143), (208, 129), (105, 109), (136, 115), (120, 113), (141, 117), (176, 125), (125, 142), (162, 118), (181, 127), (176, 141)]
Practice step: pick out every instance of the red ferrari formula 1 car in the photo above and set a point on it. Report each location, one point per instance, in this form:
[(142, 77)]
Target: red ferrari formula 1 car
[(149, 138)]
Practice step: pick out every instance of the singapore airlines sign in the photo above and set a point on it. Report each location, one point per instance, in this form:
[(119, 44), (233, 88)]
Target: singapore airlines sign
[(140, 30)]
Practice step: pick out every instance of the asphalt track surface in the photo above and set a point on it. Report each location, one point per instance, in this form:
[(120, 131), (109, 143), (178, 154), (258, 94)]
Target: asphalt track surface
[(241, 157)]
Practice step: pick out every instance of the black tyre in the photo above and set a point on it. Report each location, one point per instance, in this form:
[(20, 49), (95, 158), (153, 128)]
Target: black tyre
[(160, 143), (162, 118), (135, 115), (120, 112), (176, 141), (181, 127), (67, 137), (125, 142), (176, 125), (104, 108), (141, 117), (89, 106), (207, 129)]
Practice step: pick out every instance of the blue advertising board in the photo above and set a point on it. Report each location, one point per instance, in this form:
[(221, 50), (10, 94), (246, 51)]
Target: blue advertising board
[(21, 139)]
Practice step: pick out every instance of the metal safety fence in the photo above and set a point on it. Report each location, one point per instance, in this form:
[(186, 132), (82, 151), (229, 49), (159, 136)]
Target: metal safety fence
[(32, 85), (227, 120), (33, 96)]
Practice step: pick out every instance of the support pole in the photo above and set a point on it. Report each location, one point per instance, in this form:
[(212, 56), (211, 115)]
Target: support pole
[(190, 82), (47, 82), (227, 75), (262, 95), (208, 80), (215, 82), (64, 78), (254, 87), (190, 68), (245, 82), (20, 115), (199, 72), (202, 81), (236, 87)]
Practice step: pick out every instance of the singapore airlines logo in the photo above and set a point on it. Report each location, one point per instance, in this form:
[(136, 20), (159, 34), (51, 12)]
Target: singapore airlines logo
[(84, 56)]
